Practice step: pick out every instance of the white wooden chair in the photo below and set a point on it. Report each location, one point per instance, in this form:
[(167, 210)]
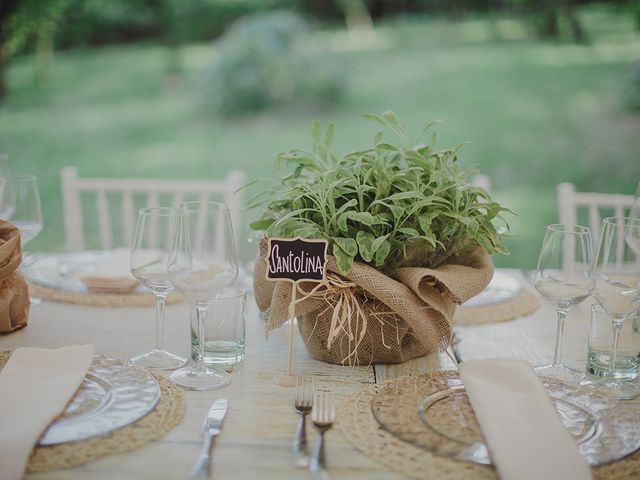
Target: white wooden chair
[(597, 205), (126, 196)]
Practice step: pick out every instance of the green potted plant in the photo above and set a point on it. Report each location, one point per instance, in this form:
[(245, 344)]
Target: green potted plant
[(409, 239)]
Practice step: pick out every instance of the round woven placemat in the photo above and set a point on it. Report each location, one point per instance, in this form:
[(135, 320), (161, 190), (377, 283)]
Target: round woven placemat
[(360, 428), (525, 303), (98, 299), (167, 414)]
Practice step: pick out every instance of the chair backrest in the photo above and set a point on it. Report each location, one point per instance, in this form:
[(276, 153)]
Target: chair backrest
[(570, 201), (127, 195)]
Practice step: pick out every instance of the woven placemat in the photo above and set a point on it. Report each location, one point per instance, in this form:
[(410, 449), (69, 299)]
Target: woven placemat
[(99, 299), (360, 429), (525, 303), (167, 414)]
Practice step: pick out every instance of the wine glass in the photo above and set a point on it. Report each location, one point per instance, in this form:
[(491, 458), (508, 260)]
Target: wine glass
[(563, 279), (616, 274), (632, 235), (203, 261), (149, 256), (20, 204), (4, 164)]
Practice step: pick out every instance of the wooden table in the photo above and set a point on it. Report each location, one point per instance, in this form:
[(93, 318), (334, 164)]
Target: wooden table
[(257, 434)]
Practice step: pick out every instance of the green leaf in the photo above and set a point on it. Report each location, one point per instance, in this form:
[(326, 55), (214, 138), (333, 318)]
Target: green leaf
[(382, 252), (391, 118), (361, 217), (378, 241), (405, 195), (425, 221), (263, 224), (365, 245), (342, 222), (343, 260), (328, 137), (412, 232), (349, 245), (373, 118), (315, 131)]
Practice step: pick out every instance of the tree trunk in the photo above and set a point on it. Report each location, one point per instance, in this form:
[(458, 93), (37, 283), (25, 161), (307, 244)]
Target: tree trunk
[(577, 31), (7, 10)]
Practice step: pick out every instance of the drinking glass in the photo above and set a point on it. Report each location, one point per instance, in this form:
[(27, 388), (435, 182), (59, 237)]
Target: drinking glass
[(616, 274), (563, 279), (203, 261), (149, 256), (20, 204)]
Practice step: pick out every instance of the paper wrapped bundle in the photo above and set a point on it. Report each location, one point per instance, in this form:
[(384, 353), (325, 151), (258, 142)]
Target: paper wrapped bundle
[(14, 294), (368, 317)]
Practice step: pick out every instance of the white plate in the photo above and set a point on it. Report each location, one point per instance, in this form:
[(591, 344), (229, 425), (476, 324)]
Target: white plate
[(64, 271), (502, 288)]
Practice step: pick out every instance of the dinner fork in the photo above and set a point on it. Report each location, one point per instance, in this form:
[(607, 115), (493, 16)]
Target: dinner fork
[(323, 415), (305, 388)]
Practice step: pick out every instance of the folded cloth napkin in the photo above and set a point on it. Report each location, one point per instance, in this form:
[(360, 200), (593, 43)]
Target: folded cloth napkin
[(112, 274), (520, 423), (35, 386)]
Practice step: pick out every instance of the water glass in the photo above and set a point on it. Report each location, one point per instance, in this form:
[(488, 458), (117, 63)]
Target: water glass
[(224, 329), (599, 347)]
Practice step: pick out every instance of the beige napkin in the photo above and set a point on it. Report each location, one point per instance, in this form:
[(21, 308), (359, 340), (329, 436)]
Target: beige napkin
[(35, 386), (520, 423), (113, 274)]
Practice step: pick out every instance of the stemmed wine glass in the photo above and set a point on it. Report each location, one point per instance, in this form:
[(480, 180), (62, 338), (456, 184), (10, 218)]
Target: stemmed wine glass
[(203, 261), (149, 265), (20, 204), (563, 279), (632, 235), (616, 274)]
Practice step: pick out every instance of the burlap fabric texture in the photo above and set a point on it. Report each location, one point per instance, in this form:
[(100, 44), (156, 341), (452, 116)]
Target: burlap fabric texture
[(368, 317), (14, 294)]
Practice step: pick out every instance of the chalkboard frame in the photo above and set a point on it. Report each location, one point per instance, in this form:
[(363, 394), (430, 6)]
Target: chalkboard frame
[(301, 240)]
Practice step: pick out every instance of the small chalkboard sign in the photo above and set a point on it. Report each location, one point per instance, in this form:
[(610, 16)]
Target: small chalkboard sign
[(296, 259)]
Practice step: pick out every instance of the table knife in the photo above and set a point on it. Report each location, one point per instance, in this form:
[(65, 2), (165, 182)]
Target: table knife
[(210, 429)]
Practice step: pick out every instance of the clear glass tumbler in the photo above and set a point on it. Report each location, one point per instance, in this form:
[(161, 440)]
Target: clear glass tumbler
[(224, 329), (601, 334)]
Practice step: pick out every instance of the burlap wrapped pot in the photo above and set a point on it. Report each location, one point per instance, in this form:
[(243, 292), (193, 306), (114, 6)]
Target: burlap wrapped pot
[(368, 317), (14, 294)]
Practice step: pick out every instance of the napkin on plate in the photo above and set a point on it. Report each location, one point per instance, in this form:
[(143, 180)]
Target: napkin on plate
[(520, 423), (35, 386), (112, 274)]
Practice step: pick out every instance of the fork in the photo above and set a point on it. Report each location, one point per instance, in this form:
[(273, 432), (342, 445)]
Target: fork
[(305, 388), (323, 416)]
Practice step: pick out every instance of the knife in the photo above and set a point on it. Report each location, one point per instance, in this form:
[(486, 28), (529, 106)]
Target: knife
[(210, 429)]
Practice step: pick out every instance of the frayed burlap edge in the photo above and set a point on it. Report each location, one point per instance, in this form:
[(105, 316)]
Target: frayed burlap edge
[(99, 299), (525, 303), (167, 414), (359, 427)]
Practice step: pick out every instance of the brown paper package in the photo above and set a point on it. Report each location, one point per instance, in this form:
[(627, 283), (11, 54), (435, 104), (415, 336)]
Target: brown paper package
[(14, 293)]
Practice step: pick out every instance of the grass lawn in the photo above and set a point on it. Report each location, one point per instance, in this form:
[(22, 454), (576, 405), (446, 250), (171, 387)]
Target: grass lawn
[(535, 113)]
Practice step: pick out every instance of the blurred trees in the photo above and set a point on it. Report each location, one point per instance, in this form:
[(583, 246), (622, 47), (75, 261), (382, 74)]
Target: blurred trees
[(34, 25), (22, 21)]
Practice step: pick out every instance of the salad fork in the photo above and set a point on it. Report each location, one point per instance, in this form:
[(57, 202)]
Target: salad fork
[(323, 416), (305, 388)]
